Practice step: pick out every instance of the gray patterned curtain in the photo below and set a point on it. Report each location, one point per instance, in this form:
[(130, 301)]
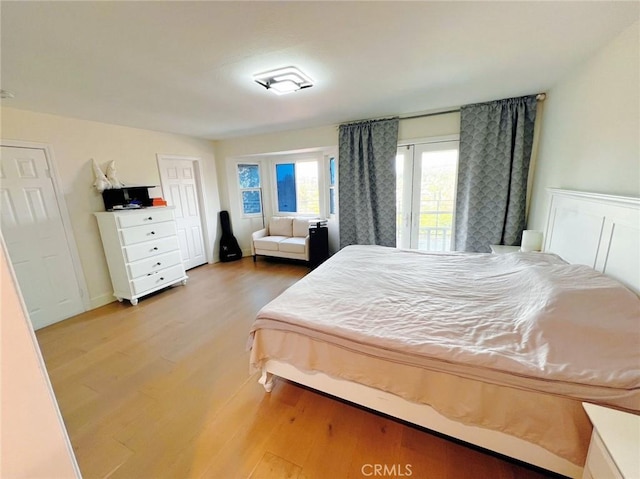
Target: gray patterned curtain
[(367, 182), (496, 139)]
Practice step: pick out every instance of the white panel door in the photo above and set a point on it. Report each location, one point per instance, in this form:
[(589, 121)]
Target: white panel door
[(35, 237), (180, 187)]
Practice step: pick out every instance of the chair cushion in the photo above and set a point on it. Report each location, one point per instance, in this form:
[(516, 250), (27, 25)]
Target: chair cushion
[(281, 226), (301, 227), (269, 243), (293, 245)]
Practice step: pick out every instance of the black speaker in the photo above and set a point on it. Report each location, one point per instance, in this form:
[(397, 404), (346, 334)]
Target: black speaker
[(318, 244), (126, 197)]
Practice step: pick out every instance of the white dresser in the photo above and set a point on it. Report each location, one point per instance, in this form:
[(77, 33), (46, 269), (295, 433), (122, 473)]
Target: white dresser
[(142, 251)]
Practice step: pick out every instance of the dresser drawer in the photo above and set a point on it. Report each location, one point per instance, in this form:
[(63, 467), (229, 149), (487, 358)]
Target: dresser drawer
[(146, 217), (155, 263), (138, 234), (163, 277), (152, 248)]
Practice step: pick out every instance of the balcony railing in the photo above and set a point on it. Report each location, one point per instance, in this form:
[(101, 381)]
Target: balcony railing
[(434, 238)]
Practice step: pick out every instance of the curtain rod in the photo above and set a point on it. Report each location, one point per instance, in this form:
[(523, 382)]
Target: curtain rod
[(429, 114), (539, 97)]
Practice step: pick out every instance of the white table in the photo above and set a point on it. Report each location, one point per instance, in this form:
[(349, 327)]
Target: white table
[(502, 249), (614, 451)]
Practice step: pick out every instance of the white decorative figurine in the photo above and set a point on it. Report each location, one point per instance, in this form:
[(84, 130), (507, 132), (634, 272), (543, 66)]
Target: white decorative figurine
[(101, 183), (112, 176)]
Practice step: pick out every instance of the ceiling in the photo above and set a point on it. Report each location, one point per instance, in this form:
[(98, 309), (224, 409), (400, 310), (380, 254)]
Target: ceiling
[(186, 67)]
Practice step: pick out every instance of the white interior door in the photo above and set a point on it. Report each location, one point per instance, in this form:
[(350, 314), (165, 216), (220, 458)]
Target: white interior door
[(180, 188), (425, 195), (35, 237)]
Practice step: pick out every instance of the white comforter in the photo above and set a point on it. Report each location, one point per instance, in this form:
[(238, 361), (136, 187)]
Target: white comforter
[(508, 317)]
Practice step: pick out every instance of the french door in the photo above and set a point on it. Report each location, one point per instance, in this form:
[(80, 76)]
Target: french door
[(425, 195)]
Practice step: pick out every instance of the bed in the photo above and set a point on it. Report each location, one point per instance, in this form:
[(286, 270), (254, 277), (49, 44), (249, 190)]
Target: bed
[(494, 350)]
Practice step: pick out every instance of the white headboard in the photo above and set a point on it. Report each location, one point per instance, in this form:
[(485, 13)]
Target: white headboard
[(601, 231)]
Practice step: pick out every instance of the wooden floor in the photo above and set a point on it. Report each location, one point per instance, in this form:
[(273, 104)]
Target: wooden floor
[(162, 390)]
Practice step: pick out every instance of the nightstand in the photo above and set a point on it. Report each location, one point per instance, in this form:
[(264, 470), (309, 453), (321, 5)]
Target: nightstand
[(614, 451), (502, 249)]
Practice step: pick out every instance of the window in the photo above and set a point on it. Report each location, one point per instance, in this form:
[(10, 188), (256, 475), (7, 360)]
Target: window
[(250, 189), (286, 177), (425, 195), (332, 186), (297, 187)]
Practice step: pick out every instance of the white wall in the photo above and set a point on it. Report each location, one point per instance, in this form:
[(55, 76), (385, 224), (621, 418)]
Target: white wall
[(74, 143), (34, 440), (228, 152), (590, 138)]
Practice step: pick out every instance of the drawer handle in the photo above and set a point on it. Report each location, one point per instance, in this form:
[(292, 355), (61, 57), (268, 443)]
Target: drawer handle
[(158, 263), (149, 218), (161, 278), (155, 248), (153, 232)]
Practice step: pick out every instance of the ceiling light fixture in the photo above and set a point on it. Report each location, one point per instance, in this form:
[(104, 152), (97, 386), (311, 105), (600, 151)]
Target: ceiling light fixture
[(283, 80)]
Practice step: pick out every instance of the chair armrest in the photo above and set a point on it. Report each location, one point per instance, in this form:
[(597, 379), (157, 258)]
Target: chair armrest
[(259, 234), (256, 235)]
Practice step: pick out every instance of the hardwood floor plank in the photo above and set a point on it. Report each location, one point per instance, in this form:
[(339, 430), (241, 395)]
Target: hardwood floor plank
[(111, 455), (247, 440), (162, 390), (274, 467), (372, 447), (292, 439), (336, 438)]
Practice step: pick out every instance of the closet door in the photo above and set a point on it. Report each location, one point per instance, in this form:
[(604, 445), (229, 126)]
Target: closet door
[(35, 237)]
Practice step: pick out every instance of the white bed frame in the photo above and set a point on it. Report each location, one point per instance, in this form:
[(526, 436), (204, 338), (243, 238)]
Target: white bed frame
[(601, 231)]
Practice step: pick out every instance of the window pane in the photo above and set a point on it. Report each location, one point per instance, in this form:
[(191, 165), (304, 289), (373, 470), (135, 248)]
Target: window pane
[(249, 176), (286, 178), (332, 201), (437, 197), (332, 171), (307, 183), (251, 202)]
